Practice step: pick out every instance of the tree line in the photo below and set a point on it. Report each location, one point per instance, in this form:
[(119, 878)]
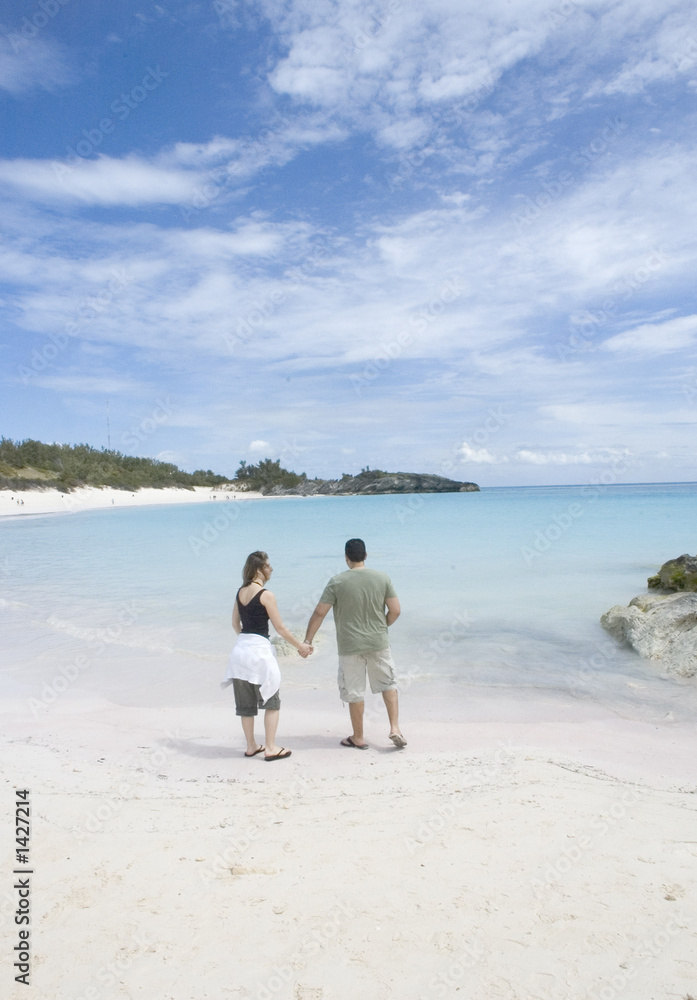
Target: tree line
[(30, 464)]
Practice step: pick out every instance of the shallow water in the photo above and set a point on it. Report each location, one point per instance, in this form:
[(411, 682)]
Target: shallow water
[(502, 588)]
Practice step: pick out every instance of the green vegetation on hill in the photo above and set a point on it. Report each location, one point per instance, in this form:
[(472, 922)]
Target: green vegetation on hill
[(26, 465), (265, 475), (30, 464)]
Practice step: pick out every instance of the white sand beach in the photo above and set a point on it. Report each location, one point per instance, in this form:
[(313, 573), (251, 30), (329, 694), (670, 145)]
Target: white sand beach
[(52, 501), (535, 848)]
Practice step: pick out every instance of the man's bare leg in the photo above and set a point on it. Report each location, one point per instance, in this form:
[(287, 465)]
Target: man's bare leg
[(356, 709), (248, 729), (392, 705)]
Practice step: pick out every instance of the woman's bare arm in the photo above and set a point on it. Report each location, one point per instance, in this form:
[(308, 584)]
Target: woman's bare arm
[(269, 602), (236, 623)]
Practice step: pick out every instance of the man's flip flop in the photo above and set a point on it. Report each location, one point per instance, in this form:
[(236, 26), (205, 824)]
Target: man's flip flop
[(348, 742), (398, 740), (281, 755), (258, 750)]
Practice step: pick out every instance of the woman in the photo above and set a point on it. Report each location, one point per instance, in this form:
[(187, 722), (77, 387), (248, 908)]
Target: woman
[(253, 669)]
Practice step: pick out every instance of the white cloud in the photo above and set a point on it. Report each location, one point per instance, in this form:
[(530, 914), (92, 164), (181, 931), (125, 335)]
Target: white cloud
[(479, 456), (655, 338), (392, 61), (87, 384), (26, 63), (603, 456), (259, 446), (104, 181), (192, 175), (665, 50)]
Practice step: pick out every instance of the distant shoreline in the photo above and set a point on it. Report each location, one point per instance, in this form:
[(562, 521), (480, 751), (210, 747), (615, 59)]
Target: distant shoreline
[(38, 501), (52, 501)]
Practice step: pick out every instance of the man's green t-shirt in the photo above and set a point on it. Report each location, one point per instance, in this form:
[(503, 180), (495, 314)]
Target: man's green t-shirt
[(358, 599)]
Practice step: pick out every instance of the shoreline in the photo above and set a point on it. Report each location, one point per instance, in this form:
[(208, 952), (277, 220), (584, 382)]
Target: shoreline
[(52, 501), (38, 502)]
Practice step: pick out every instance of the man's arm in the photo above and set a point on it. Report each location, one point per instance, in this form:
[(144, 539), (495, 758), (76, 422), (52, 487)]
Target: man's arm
[(316, 619), (393, 609)]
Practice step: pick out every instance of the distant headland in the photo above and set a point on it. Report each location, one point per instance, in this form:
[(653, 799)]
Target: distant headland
[(372, 482), (33, 465)]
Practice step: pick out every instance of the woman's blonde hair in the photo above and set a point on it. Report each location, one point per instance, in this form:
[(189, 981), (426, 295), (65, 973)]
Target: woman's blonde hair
[(255, 561)]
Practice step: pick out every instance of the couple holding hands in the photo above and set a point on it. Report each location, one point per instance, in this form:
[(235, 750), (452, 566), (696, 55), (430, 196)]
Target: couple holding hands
[(365, 605)]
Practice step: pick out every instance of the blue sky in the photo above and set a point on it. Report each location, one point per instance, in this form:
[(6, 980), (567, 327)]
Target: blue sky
[(438, 236)]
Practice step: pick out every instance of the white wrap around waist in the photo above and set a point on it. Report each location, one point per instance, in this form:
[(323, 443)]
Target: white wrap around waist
[(253, 659)]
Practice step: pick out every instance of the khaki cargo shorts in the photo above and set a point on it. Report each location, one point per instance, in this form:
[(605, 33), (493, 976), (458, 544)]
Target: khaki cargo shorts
[(377, 665)]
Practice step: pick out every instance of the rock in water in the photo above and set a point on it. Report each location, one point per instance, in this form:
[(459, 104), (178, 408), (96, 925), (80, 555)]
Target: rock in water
[(676, 574), (660, 627)]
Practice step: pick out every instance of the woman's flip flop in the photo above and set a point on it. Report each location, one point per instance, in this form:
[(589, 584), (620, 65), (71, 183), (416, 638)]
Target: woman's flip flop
[(348, 742)]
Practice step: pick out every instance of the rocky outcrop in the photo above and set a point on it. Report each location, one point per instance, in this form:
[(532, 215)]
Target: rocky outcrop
[(676, 574), (372, 484), (660, 627)]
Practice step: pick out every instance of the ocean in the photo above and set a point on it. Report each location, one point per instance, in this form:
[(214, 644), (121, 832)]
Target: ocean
[(500, 590)]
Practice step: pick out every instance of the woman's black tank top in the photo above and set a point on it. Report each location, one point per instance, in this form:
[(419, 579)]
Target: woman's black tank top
[(253, 616)]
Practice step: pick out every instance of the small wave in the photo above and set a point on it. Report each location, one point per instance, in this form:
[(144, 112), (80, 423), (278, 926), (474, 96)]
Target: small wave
[(121, 637), (111, 636)]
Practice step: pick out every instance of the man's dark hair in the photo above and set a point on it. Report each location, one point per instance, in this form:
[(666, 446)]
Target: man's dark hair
[(355, 550)]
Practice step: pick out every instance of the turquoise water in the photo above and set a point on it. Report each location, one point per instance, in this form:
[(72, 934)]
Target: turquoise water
[(499, 588)]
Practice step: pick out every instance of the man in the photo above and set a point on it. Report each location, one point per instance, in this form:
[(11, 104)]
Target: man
[(359, 597)]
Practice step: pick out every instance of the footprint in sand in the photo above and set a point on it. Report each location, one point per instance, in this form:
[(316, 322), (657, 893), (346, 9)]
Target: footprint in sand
[(239, 870)]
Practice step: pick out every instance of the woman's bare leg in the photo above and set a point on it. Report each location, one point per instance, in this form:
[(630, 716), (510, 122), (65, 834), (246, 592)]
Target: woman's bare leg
[(248, 728), (270, 726)]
